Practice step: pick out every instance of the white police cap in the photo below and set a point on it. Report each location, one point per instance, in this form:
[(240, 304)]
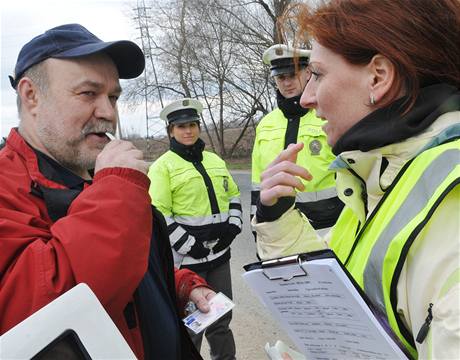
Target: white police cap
[(182, 111), (281, 58)]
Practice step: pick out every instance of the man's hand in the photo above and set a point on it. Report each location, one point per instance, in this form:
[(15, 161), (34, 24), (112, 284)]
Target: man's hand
[(120, 153), (201, 296), (281, 177)]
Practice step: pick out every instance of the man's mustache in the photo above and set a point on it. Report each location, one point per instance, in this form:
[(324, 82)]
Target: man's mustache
[(99, 127)]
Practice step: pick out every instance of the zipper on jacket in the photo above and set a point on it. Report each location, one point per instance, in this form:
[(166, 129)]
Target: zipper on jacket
[(423, 332)]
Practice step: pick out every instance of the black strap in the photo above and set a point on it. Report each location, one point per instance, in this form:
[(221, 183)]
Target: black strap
[(209, 187)]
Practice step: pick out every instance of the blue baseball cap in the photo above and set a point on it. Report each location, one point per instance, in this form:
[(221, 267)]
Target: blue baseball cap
[(73, 40)]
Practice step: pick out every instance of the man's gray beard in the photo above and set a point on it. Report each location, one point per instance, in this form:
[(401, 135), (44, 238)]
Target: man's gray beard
[(72, 158)]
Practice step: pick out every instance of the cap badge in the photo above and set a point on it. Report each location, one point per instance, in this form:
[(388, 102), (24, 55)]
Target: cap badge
[(279, 51), (185, 103), (315, 147)]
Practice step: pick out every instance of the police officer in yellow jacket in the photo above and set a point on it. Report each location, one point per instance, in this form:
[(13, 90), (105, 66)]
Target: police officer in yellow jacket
[(201, 204), (291, 123)]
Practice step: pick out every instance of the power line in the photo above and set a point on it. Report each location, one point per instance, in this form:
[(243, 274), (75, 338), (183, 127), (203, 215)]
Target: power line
[(143, 20)]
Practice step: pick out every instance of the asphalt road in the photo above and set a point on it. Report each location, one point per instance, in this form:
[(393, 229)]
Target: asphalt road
[(252, 325)]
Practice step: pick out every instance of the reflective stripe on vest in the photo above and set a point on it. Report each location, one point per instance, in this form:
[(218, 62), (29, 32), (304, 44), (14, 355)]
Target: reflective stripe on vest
[(390, 250), (377, 255), (201, 220), (255, 187), (301, 197), (306, 197), (415, 202)]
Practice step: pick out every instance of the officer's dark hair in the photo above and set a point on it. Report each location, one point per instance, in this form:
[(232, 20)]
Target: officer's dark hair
[(170, 126)]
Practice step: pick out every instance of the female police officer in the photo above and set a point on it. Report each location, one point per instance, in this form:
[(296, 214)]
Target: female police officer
[(201, 203)]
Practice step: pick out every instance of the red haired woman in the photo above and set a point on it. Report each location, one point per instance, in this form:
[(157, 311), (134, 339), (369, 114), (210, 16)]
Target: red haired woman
[(386, 77)]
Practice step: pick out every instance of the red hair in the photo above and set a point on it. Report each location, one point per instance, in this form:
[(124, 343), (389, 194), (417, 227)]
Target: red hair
[(420, 37)]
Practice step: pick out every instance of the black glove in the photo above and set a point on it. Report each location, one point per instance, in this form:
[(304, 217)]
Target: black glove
[(198, 251), (233, 230), (226, 239)]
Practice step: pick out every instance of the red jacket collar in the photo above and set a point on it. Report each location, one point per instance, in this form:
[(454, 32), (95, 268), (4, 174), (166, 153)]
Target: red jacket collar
[(18, 145)]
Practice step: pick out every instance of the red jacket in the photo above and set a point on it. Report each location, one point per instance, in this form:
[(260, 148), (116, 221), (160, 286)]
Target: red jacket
[(103, 241)]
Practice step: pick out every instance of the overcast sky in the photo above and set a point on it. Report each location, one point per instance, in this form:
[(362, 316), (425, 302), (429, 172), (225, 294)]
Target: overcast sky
[(21, 20)]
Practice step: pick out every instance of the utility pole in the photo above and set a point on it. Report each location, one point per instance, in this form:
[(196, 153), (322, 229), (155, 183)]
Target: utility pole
[(143, 21)]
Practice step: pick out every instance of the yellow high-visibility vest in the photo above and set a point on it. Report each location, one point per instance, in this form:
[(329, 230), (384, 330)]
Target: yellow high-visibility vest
[(374, 251)]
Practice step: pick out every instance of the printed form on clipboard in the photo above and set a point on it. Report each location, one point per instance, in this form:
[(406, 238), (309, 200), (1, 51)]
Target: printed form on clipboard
[(321, 308)]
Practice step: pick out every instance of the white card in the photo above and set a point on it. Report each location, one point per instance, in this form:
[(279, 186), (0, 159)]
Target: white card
[(198, 321)]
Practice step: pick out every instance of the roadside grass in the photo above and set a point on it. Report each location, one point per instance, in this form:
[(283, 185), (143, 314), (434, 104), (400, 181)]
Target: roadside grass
[(239, 164)]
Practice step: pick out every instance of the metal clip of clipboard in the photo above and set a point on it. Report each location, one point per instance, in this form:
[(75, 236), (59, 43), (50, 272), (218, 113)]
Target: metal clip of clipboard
[(284, 268)]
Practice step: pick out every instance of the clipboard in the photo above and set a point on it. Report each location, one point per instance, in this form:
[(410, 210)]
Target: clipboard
[(321, 307)]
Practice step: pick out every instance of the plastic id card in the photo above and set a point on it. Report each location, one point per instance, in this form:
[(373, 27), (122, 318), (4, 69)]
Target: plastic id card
[(198, 321)]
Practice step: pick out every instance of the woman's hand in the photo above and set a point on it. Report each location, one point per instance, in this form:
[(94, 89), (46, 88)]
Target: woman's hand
[(281, 177)]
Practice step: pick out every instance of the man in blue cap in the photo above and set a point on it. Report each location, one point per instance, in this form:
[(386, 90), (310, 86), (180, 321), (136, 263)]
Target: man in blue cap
[(74, 206)]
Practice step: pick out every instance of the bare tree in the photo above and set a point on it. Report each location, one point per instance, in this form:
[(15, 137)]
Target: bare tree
[(211, 50)]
